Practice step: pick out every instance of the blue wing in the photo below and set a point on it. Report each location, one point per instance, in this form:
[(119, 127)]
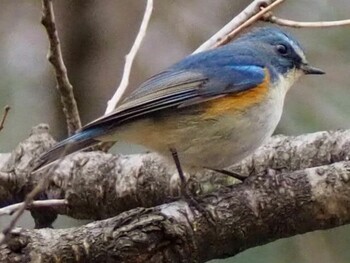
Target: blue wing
[(182, 87)]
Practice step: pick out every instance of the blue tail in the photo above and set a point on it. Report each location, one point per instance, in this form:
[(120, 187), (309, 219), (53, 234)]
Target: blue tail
[(75, 143)]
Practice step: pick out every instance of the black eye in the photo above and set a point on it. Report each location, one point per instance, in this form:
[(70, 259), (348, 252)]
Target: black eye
[(282, 49)]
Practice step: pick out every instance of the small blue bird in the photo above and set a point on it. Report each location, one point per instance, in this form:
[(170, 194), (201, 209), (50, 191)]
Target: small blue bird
[(210, 110)]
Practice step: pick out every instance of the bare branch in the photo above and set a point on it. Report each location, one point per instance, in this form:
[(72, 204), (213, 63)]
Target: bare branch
[(9, 210), (262, 209), (246, 24), (4, 116), (23, 206), (129, 59), (99, 185), (298, 24), (64, 87), (248, 12)]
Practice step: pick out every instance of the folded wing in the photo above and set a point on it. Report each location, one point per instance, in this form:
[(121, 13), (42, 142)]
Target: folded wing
[(180, 89)]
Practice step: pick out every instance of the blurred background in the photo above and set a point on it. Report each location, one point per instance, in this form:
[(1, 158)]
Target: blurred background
[(96, 35)]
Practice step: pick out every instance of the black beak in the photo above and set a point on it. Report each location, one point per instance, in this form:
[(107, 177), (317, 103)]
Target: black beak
[(307, 69)]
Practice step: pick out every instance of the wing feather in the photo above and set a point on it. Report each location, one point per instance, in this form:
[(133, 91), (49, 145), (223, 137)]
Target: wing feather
[(182, 88)]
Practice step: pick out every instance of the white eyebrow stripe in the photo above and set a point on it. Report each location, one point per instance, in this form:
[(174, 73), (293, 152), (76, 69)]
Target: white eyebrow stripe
[(300, 53), (296, 48)]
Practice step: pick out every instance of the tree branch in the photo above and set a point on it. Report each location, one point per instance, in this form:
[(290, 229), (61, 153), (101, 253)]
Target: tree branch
[(242, 17), (298, 24), (99, 185), (129, 59), (263, 10), (264, 208), (9, 210), (64, 87)]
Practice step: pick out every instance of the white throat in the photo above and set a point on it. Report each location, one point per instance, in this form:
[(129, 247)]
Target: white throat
[(288, 79)]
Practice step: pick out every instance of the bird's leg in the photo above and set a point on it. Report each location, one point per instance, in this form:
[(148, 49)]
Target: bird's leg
[(229, 173), (184, 189)]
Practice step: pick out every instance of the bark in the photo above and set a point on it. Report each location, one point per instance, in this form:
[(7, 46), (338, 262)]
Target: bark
[(288, 192), (99, 185), (262, 209)]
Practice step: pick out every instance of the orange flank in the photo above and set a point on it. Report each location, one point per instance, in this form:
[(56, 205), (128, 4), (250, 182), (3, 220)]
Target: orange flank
[(237, 101)]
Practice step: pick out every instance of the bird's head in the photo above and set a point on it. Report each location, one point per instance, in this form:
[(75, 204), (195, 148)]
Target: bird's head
[(281, 52)]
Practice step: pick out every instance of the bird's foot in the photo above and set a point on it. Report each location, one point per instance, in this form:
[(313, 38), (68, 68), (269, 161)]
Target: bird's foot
[(186, 194), (195, 203)]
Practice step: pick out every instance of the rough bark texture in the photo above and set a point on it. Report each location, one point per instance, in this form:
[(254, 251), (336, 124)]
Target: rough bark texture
[(99, 185), (288, 192), (262, 209)]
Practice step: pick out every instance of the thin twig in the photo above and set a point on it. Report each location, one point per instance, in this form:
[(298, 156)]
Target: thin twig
[(4, 116), (129, 59), (298, 24), (42, 184), (20, 210), (247, 23), (9, 210), (243, 16), (64, 87)]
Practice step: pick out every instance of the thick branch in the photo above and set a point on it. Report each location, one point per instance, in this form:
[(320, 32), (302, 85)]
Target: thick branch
[(99, 185), (264, 208)]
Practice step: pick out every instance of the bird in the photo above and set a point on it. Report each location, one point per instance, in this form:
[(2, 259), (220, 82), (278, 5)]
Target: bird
[(208, 111)]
